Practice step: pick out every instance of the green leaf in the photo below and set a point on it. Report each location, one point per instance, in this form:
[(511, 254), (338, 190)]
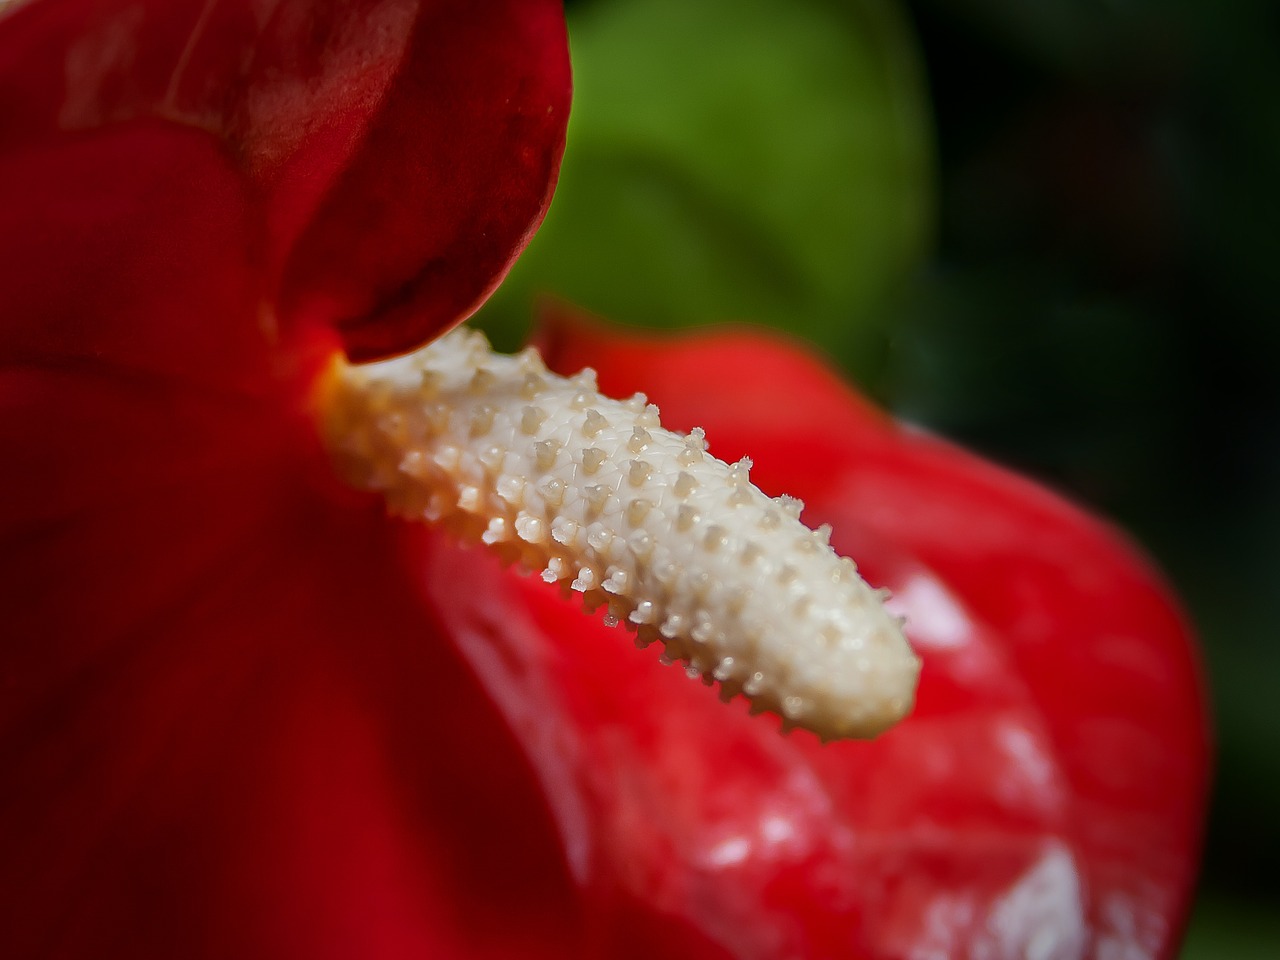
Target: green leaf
[(750, 160)]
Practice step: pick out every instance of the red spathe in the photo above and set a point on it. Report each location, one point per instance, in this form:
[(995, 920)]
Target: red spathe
[(243, 715)]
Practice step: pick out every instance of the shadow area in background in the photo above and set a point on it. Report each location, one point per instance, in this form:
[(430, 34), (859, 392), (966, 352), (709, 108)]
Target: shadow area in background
[(1102, 312)]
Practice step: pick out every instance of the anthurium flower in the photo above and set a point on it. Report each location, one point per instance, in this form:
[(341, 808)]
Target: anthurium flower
[(245, 713)]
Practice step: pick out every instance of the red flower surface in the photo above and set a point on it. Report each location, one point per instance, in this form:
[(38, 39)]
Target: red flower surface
[(242, 714)]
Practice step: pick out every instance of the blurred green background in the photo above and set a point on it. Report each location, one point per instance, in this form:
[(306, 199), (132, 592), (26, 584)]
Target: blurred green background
[(1049, 229)]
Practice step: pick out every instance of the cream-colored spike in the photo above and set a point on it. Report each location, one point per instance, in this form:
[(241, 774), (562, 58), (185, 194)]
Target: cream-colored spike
[(596, 495)]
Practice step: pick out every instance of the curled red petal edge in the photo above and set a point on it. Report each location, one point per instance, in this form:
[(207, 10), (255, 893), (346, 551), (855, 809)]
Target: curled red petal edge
[(434, 126), (453, 177)]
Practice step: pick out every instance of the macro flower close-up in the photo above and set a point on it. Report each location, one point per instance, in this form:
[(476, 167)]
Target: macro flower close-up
[(296, 661)]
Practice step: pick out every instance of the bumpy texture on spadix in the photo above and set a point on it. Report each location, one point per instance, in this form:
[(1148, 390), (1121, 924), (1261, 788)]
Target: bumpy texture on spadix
[(679, 546)]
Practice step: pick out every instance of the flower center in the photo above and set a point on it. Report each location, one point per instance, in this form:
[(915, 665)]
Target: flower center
[(679, 547)]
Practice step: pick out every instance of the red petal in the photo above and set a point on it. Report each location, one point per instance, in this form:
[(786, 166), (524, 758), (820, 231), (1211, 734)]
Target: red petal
[(1051, 783), (226, 730), (228, 727), (453, 178), (402, 152)]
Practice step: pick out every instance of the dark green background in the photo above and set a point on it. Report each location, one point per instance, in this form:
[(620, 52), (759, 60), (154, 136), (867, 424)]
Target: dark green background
[(1050, 230)]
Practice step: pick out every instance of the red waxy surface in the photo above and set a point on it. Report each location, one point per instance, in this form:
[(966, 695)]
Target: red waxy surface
[(397, 154), (243, 715), (1051, 781)]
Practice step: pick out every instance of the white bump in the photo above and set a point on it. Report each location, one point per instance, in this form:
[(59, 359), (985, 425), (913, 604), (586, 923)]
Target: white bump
[(482, 420), (511, 490), (529, 361), (564, 531), (435, 419), (416, 464), (531, 386), (667, 572), (790, 506), (645, 612), (594, 424), (673, 626), (596, 496), (640, 543), (531, 529), (492, 458), (637, 510), (531, 419), (557, 569), (470, 499), (495, 532), (545, 453), (638, 473), (685, 484), (703, 629), (448, 458), (639, 440), (551, 489), (686, 517), (587, 579), (617, 581)]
